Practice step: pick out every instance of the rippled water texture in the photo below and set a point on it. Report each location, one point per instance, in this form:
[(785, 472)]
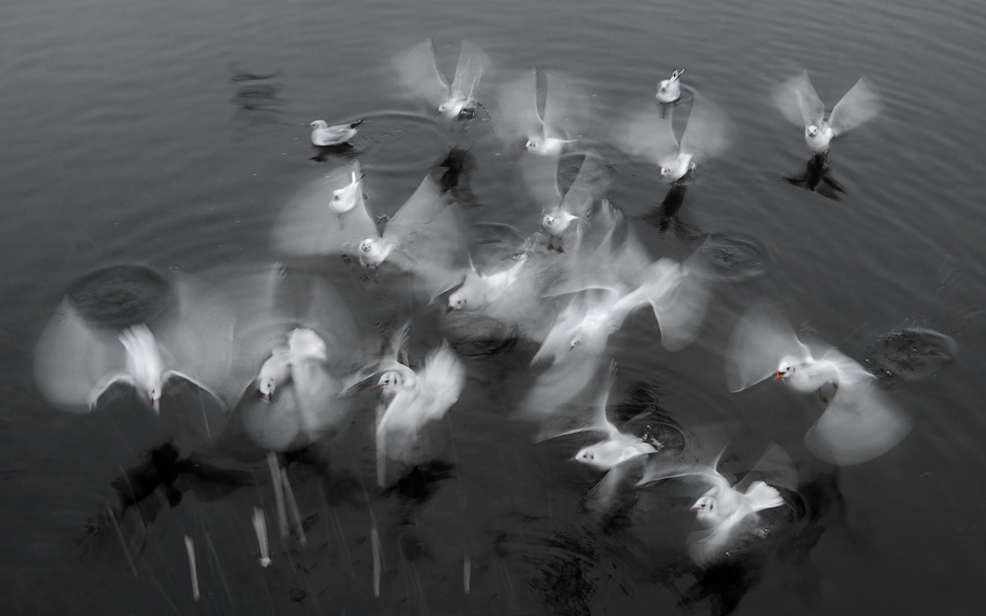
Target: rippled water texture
[(167, 137)]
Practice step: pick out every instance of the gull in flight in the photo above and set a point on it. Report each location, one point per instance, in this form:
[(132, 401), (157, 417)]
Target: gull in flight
[(798, 101), (77, 361), (458, 101), (423, 237), (324, 135), (728, 512), (859, 423), (543, 135), (558, 213), (650, 135)]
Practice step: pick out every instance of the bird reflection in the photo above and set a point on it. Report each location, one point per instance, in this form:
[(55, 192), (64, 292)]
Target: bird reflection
[(665, 217), (816, 178), (162, 468), (256, 96), (458, 167)]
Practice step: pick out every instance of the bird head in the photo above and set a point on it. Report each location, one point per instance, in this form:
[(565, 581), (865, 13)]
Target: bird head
[(811, 130), (705, 507)]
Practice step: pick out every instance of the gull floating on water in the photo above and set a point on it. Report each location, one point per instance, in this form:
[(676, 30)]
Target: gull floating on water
[(798, 101), (859, 423), (324, 135), (458, 101), (669, 90)]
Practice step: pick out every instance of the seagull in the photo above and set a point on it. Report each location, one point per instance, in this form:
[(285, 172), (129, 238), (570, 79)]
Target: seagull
[(669, 90), (859, 423), (558, 213), (294, 342), (615, 279), (303, 345), (458, 101), (650, 136), (479, 290), (413, 398), (544, 135), (77, 361), (727, 511), (324, 135), (798, 101), (423, 237)]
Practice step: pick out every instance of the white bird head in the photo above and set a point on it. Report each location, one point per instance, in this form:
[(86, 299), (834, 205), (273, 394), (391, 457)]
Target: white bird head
[(557, 223), (705, 508), (373, 251), (457, 301), (319, 124), (532, 143), (267, 387), (811, 130), (786, 368), (154, 392), (389, 380)]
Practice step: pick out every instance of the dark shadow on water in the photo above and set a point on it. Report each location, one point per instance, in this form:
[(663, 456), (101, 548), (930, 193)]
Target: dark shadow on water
[(165, 469), (666, 217), (256, 95), (817, 178)]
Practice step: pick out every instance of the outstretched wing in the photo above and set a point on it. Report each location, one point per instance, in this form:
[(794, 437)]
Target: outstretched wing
[(307, 226), (591, 183), (705, 133), (859, 105), (518, 113), (428, 240), (473, 64), (76, 361), (761, 340), (860, 424), (648, 135), (419, 76), (797, 100)]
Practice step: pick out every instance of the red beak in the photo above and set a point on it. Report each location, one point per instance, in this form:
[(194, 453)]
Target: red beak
[(376, 387), (778, 375)]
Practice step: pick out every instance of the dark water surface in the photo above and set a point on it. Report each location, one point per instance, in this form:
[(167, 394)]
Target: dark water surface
[(170, 135)]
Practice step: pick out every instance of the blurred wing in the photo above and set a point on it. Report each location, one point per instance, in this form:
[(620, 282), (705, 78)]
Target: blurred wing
[(540, 177), (443, 378), (705, 547), (774, 467), (307, 226), (860, 424), (706, 132), (73, 358), (517, 103), (590, 184), (859, 105), (199, 336), (602, 497), (429, 240), (419, 76), (560, 113), (797, 100), (473, 63), (762, 338), (850, 371), (679, 298), (592, 419), (648, 135), (560, 390)]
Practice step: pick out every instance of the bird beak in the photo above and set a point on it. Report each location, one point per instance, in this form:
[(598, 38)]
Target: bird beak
[(778, 375), (450, 309), (574, 460), (156, 405), (270, 396), (693, 509), (376, 387)]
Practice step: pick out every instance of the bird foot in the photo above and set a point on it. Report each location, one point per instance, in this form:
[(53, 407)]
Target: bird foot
[(551, 246), (560, 249), (376, 280), (366, 277)]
